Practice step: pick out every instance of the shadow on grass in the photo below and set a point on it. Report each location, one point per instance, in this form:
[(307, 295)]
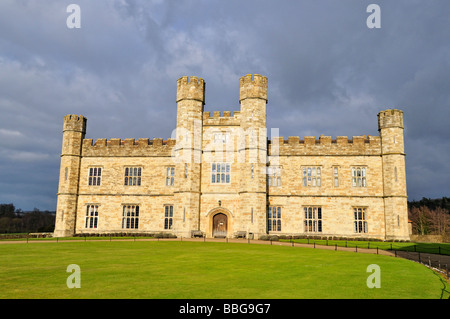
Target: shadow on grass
[(445, 291)]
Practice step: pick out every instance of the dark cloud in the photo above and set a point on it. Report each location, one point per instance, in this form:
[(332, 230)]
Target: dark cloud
[(328, 74)]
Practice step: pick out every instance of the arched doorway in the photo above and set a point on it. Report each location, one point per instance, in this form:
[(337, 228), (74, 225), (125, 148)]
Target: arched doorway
[(220, 225)]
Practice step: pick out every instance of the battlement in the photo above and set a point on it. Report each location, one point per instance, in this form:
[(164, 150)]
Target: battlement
[(191, 88), (390, 118), (127, 147), (217, 119), (253, 86), (325, 145), (75, 123)]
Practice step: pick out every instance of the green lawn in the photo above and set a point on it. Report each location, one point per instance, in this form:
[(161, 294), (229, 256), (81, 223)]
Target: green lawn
[(432, 248), (165, 269)]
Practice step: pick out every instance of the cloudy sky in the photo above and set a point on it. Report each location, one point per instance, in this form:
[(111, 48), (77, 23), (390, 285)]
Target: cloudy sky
[(328, 74)]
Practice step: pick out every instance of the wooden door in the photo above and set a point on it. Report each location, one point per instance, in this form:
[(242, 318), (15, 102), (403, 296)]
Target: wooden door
[(220, 225)]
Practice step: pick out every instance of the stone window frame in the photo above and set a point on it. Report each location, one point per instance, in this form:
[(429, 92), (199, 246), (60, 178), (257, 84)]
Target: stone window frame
[(311, 175), (168, 216), (91, 218), (170, 176), (220, 137), (225, 177), (360, 225), (336, 181), (135, 177), (95, 176), (274, 218), (313, 219), (274, 175), (359, 176), (130, 216)]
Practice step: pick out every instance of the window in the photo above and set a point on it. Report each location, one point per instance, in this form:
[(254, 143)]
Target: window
[(185, 170), (133, 176), (360, 219), (221, 137), (220, 173), (313, 219), (274, 176), (358, 176), (312, 176), (170, 176), (91, 216), (274, 218), (130, 217), (336, 176), (95, 176), (168, 216)]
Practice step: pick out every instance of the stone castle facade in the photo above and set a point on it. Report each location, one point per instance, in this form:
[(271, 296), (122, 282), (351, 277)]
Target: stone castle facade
[(222, 177)]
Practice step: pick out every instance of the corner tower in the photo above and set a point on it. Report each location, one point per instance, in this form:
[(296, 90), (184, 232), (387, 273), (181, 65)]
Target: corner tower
[(187, 153), (252, 152), (74, 131), (390, 126)]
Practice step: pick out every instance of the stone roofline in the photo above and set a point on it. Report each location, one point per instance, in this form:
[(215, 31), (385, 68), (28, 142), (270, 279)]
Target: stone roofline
[(309, 145)]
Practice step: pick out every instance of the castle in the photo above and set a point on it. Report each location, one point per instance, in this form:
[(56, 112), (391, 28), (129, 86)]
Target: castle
[(222, 177)]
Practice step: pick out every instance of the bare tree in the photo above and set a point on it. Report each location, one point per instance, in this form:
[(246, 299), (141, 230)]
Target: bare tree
[(440, 221), (420, 217)]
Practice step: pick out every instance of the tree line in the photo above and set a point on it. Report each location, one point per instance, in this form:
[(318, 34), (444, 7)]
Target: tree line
[(14, 220), (430, 216)]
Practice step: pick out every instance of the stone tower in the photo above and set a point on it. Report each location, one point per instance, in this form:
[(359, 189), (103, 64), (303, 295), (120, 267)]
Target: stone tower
[(252, 152), (74, 130), (390, 126), (188, 152)]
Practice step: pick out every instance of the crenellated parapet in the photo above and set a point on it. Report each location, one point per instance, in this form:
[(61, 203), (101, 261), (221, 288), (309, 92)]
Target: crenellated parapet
[(191, 88), (76, 123), (390, 118), (219, 119), (253, 86), (142, 147), (325, 145)]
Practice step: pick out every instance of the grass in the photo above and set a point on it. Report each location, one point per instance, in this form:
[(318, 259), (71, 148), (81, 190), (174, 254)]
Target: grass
[(77, 238), (192, 270), (432, 248)]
